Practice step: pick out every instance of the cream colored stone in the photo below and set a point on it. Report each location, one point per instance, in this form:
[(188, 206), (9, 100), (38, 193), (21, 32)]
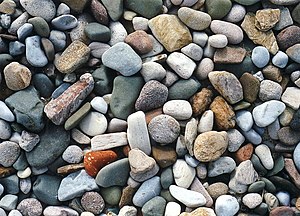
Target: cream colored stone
[(266, 19)]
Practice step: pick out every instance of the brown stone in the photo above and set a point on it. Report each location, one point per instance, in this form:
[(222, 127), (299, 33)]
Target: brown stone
[(229, 55), (288, 136), (127, 195), (74, 56), (99, 12), (6, 171), (59, 109), (217, 189), (266, 39), (201, 101), (291, 169), (164, 156), (17, 76), (140, 41), (223, 113), (70, 168), (288, 37), (8, 7), (170, 32), (201, 211), (244, 153), (298, 203), (272, 73), (282, 211), (76, 5), (153, 113), (266, 19), (250, 86)]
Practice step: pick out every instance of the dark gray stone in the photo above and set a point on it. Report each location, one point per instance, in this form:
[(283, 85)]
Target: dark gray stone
[(103, 77), (155, 206), (183, 89), (97, 32), (11, 184), (43, 84)]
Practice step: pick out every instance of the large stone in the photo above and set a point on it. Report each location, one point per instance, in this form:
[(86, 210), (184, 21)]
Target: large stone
[(294, 52), (288, 37), (40, 8), (266, 19), (59, 109), (170, 32), (194, 19), (229, 55), (17, 76), (232, 31), (28, 109), (266, 39)]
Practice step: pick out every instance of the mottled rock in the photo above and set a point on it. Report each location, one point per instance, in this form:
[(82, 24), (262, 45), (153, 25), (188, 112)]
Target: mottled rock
[(145, 8), (229, 55), (266, 19), (291, 97), (194, 19), (201, 101), (17, 76), (44, 8), (9, 153)]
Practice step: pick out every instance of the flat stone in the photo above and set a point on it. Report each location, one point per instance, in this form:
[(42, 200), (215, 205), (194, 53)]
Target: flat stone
[(235, 140), (260, 56), (30, 206), (80, 116), (291, 169), (266, 19), (221, 166), (94, 123), (233, 93), (40, 26), (267, 112), (9, 202), (194, 19), (107, 141), (201, 101), (64, 22), (99, 12), (164, 155), (266, 39), (140, 42), (154, 206), (256, 186), (28, 140), (183, 174), (6, 114), (179, 109), (97, 32), (233, 32), (250, 86), (226, 205), (170, 32), (181, 64), (45, 8), (269, 90), (73, 57), (291, 97), (34, 53), (245, 173)]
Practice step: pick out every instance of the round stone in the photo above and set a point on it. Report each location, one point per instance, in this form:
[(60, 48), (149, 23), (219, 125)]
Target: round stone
[(269, 90), (221, 166), (64, 22), (97, 32), (111, 195), (153, 71), (140, 42), (92, 202), (43, 84), (280, 59), (9, 153), (217, 189), (34, 52), (40, 26), (99, 104), (73, 154), (244, 120), (183, 174), (181, 64), (178, 109), (164, 129), (58, 39), (194, 51), (30, 206), (218, 41), (40, 8), (93, 124), (236, 14), (196, 20), (252, 200), (5, 130), (296, 156), (226, 205), (218, 9), (260, 56), (17, 76)]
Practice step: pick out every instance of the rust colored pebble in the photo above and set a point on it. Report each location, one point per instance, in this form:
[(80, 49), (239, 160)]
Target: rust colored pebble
[(140, 41), (153, 113), (244, 153), (126, 150), (95, 160), (282, 211)]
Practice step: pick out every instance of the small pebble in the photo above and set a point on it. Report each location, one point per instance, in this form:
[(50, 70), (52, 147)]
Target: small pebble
[(92, 202), (218, 41), (99, 104), (183, 174), (73, 154), (93, 124), (260, 56), (252, 200), (193, 51)]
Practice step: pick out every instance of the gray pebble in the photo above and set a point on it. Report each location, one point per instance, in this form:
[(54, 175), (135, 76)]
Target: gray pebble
[(269, 90), (62, 9), (153, 71), (209, 51), (157, 48), (58, 39), (1, 189), (221, 166), (16, 48), (15, 213), (235, 140), (260, 56), (28, 140), (118, 33), (273, 129), (97, 49), (283, 198), (97, 32), (205, 66), (65, 22), (30, 206), (24, 31), (280, 59), (40, 8), (218, 41), (5, 130), (200, 38), (140, 23), (236, 14), (73, 154), (60, 89), (11, 184), (191, 161), (9, 202), (59, 210), (193, 51), (252, 136), (181, 64), (170, 78), (285, 19), (5, 21), (296, 156), (265, 156), (17, 23), (9, 152), (25, 185), (34, 53), (244, 120)]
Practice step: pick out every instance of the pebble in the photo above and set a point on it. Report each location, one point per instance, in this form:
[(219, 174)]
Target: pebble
[(178, 109), (152, 95), (16, 48), (235, 140), (273, 129), (296, 156), (200, 38), (236, 13), (9, 202), (153, 71), (92, 202), (221, 166), (183, 89), (164, 129), (194, 19), (260, 56), (34, 53), (256, 186), (200, 211), (93, 124), (183, 174), (252, 200), (148, 190), (145, 8), (218, 9), (73, 154), (5, 132), (30, 206), (17, 23), (172, 208), (97, 32), (97, 49), (62, 9), (64, 22), (9, 152), (201, 101), (226, 205), (267, 112), (17, 76), (288, 136), (59, 210), (193, 51), (283, 198), (265, 156), (280, 59), (269, 90), (118, 33), (137, 132), (271, 200), (233, 93), (140, 23), (206, 122), (107, 141), (13, 213), (218, 41), (11, 184), (156, 205), (245, 173), (28, 141), (45, 8), (24, 31), (43, 84), (187, 197), (244, 120), (233, 32), (58, 39), (140, 42), (291, 97), (40, 26), (128, 211), (181, 64), (164, 156)]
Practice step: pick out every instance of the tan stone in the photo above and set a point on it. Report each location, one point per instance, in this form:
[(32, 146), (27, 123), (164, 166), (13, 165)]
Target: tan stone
[(217, 189), (164, 155), (251, 87), (74, 56), (209, 146), (266, 39), (229, 55), (8, 7), (170, 32), (201, 101), (153, 113), (70, 168), (76, 5), (223, 113), (201, 211), (17, 76), (266, 19)]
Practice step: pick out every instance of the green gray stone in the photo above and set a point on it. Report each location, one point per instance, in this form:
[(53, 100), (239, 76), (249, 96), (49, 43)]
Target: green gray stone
[(103, 77), (154, 207), (114, 8), (218, 9), (246, 2), (166, 178), (111, 195), (11, 184), (28, 109), (126, 90), (97, 32), (75, 118), (40, 26), (146, 8), (21, 163), (260, 169), (45, 189), (167, 196), (262, 209), (43, 84), (269, 186), (114, 174), (278, 166), (183, 89), (296, 14), (53, 142), (256, 187)]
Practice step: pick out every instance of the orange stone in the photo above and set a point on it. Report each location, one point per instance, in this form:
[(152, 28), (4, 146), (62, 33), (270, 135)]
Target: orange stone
[(95, 160), (153, 113), (244, 153)]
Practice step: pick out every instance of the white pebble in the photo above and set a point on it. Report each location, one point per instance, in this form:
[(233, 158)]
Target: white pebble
[(218, 41), (140, 23), (226, 205), (263, 152), (128, 211), (252, 200), (280, 59), (209, 51), (86, 214), (183, 173), (153, 71), (179, 109), (172, 209), (181, 64), (99, 104), (200, 38), (73, 154), (205, 66), (244, 120), (235, 140), (206, 122), (193, 51), (93, 124), (236, 14), (24, 173)]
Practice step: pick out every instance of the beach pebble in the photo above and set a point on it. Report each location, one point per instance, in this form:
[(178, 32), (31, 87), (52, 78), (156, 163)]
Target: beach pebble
[(30, 206), (73, 154), (99, 104), (235, 140), (236, 13), (153, 71), (291, 97), (92, 202), (183, 174), (260, 56), (45, 8), (280, 59), (193, 51), (196, 20), (269, 90), (206, 122), (28, 140), (9, 202), (58, 39), (156, 204), (16, 48), (244, 120), (17, 76), (128, 211), (9, 152), (5, 130), (172, 208), (97, 32), (226, 205), (178, 109), (221, 166), (218, 9), (296, 156), (181, 64), (252, 200), (205, 66), (233, 32), (265, 156), (59, 210), (140, 42), (200, 38), (283, 198), (93, 124), (64, 22), (140, 23), (34, 53), (218, 41)]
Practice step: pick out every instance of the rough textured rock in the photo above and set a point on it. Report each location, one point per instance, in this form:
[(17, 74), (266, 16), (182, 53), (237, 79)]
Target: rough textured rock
[(229, 55), (266, 19), (201, 101)]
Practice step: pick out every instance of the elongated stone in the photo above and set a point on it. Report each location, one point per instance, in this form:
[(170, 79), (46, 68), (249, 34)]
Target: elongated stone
[(108, 141), (59, 109)]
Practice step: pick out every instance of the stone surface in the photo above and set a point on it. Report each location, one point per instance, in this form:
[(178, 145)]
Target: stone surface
[(34, 53), (179, 109), (154, 206), (183, 174), (218, 9), (17, 76), (45, 8), (170, 32), (181, 64), (269, 90), (200, 211), (229, 55), (107, 141), (252, 200), (6, 114), (94, 123), (266, 19), (233, 32), (59, 210), (30, 206), (9, 152), (92, 202), (164, 156), (221, 166), (291, 97), (145, 8), (194, 19), (288, 136), (226, 205), (288, 37)]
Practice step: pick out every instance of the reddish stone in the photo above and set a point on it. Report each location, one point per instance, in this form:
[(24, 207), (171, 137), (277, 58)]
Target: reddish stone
[(153, 113), (95, 160), (292, 171), (244, 153), (126, 150), (282, 211), (70, 168), (99, 12), (164, 156), (201, 101), (140, 41), (288, 37)]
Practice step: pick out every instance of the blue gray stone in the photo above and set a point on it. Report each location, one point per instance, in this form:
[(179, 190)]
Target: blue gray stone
[(34, 52), (24, 31), (155, 206), (43, 84), (16, 48), (252, 136), (296, 156), (11, 184), (58, 39), (183, 89), (221, 166), (9, 202), (166, 178), (40, 8), (60, 89), (280, 59), (260, 56), (97, 32), (5, 20), (64, 22)]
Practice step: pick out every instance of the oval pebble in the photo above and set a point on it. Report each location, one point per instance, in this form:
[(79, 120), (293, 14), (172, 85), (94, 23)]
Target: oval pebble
[(5, 130), (73, 154), (93, 124), (236, 14), (99, 104), (260, 56), (233, 32), (218, 41), (178, 109), (196, 20), (280, 59), (34, 53), (244, 120), (64, 22), (183, 174), (265, 156), (252, 200), (221, 166), (226, 205)]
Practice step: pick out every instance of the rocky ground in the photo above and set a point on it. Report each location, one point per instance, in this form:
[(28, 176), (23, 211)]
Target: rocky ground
[(149, 107)]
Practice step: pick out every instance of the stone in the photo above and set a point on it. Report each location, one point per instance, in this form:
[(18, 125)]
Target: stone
[(209, 146), (73, 57), (221, 166), (43, 84), (272, 73), (6, 114), (9, 152), (266, 39), (206, 122), (64, 22), (142, 166), (58, 40), (178, 109), (245, 173), (201, 101), (233, 93), (148, 190), (5, 130), (164, 156), (193, 51), (229, 55), (140, 42), (223, 114), (99, 12), (252, 200), (183, 89), (282, 210), (114, 174), (128, 211), (9, 202), (236, 13), (8, 7), (244, 120), (107, 141), (153, 95), (82, 116), (50, 147), (194, 19), (183, 174), (218, 41), (181, 64), (266, 19), (40, 26), (92, 202), (187, 197), (233, 32), (294, 124), (145, 8), (70, 168), (285, 19), (288, 136), (16, 48), (72, 154), (190, 135), (292, 171), (170, 32), (118, 33), (154, 206), (269, 90), (45, 8), (288, 37), (218, 9), (256, 186), (265, 156), (34, 53), (226, 205), (114, 9), (266, 113), (166, 178), (59, 210), (94, 123), (244, 153), (59, 109), (281, 2), (235, 140), (293, 52), (260, 56), (30, 206), (97, 32), (76, 6), (200, 211), (271, 201), (172, 208), (291, 97), (28, 109), (18, 23), (153, 71), (296, 157), (28, 141), (164, 129)]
